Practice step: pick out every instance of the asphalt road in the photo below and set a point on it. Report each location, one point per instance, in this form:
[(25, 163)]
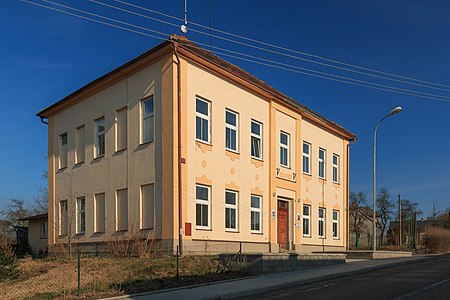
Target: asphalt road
[(423, 280)]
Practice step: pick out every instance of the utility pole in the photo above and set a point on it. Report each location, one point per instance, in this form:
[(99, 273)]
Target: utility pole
[(400, 222)]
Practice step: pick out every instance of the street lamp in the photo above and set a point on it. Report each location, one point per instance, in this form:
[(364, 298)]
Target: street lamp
[(393, 112)]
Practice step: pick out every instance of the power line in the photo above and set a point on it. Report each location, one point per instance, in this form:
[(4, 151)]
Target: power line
[(296, 67), (293, 51), (106, 18), (90, 19), (271, 64)]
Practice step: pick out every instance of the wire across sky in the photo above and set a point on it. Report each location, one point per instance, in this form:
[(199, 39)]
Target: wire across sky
[(236, 39)]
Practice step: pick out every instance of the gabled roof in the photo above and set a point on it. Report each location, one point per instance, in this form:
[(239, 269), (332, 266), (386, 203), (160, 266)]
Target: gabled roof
[(35, 217), (189, 46)]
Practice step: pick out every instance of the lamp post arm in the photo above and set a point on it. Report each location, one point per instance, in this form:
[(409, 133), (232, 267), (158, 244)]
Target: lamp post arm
[(374, 192)]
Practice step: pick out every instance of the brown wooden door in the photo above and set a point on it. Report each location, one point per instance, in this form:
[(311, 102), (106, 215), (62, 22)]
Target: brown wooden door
[(282, 224)]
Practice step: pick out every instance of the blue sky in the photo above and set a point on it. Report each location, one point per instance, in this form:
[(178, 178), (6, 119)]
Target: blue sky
[(46, 55)]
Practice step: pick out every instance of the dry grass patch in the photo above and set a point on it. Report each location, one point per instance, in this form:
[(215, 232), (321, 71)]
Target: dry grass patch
[(106, 276)]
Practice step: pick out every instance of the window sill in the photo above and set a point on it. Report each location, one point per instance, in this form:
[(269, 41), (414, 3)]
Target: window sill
[(231, 230), (80, 233), (307, 174), (79, 163), (120, 151), (203, 228), (307, 236), (148, 228), (98, 157), (140, 144), (256, 232)]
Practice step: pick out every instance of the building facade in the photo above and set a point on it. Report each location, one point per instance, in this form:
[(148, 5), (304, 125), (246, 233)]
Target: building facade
[(184, 147)]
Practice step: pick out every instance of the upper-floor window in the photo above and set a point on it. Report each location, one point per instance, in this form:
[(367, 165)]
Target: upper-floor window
[(256, 139), (81, 215), (100, 137), (121, 129), (322, 162), (202, 206), (147, 120), (306, 158), (306, 220), (63, 150), (79, 145), (336, 168), (231, 210), (255, 213), (231, 131), (321, 225), (284, 149), (335, 224), (202, 120)]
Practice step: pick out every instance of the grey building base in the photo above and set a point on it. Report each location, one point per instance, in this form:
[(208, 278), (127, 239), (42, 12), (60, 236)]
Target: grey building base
[(259, 263)]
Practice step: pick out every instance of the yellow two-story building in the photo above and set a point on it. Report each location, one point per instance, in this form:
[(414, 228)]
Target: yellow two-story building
[(182, 146)]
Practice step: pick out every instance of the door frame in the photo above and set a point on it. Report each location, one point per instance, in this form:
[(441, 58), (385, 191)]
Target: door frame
[(288, 217)]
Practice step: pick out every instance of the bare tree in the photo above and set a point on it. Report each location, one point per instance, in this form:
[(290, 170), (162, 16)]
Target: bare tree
[(385, 209), (15, 211), (357, 220), (435, 212), (41, 196)]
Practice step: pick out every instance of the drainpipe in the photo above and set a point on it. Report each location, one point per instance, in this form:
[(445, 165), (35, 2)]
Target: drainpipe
[(180, 198), (351, 142), (42, 119)]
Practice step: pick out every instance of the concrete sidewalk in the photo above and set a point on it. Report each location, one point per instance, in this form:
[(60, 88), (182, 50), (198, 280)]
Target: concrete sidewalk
[(269, 282)]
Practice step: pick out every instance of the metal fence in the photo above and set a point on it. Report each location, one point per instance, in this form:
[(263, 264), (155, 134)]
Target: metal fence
[(97, 274)]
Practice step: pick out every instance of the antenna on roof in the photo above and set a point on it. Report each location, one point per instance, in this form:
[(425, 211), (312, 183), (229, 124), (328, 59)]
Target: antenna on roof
[(184, 28)]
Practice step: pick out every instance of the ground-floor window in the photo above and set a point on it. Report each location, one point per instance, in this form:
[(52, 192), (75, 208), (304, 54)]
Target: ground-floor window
[(306, 220), (202, 206), (321, 224), (335, 224), (255, 213), (231, 210)]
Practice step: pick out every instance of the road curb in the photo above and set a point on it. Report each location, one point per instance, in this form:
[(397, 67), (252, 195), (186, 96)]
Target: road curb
[(319, 278)]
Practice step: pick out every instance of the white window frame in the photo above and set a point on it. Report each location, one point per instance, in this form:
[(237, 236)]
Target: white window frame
[(321, 223), (322, 163), (336, 168), (98, 137), (285, 147), (258, 138), (307, 158), (254, 210), (234, 128), (203, 202), (98, 221), (121, 127), (336, 224), (81, 215), (306, 219), (203, 117), (145, 117), (64, 226), (63, 149), (229, 207), (121, 224), (44, 230), (80, 144)]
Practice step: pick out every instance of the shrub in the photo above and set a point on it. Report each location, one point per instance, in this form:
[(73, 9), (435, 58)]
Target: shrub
[(437, 240), (8, 262)]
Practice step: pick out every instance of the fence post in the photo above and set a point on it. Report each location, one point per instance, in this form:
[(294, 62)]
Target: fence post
[(178, 255), (79, 268), (240, 256)]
